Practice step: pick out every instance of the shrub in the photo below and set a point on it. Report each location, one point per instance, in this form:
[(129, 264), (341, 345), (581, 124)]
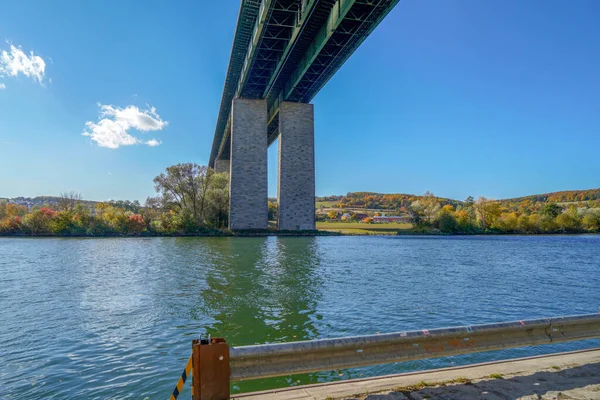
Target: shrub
[(135, 224), (568, 222), (39, 222), (447, 223), (12, 224)]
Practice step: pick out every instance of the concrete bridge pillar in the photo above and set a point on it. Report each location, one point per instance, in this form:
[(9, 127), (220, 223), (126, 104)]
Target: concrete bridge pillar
[(222, 166), (296, 181), (248, 177)]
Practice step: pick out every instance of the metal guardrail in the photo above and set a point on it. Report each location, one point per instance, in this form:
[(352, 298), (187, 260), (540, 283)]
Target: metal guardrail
[(270, 360)]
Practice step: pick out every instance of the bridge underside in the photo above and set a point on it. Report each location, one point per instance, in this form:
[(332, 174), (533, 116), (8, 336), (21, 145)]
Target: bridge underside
[(285, 51)]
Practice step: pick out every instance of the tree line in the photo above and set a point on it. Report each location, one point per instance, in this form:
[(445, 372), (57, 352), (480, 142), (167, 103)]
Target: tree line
[(191, 199), (492, 216)]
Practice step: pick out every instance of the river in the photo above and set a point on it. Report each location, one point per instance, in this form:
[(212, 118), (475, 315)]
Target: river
[(114, 318)]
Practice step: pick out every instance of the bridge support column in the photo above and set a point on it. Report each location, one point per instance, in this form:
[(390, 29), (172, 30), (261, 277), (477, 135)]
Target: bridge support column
[(248, 176), (296, 183), (222, 166)]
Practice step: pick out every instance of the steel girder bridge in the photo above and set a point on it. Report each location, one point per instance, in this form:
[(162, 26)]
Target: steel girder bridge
[(285, 51)]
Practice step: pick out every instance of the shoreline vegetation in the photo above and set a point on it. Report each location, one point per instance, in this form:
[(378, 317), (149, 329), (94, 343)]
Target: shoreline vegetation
[(569, 212), (318, 232), (193, 200)]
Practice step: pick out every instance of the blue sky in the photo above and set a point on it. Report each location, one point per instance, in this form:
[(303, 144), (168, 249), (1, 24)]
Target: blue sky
[(460, 97)]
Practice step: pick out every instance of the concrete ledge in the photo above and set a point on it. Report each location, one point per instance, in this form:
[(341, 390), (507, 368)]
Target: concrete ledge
[(576, 375)]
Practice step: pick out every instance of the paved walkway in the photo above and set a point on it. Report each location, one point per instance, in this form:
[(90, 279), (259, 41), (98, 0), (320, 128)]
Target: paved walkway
[(574, 375)]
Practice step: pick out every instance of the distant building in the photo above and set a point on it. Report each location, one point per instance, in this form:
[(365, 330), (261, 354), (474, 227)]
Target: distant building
[(391, 218)]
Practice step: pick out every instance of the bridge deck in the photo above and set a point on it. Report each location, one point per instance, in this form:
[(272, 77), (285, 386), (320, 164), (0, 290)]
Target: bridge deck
[(287, 50)]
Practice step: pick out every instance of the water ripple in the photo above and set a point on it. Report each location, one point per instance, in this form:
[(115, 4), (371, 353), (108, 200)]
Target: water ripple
[(114, 318)]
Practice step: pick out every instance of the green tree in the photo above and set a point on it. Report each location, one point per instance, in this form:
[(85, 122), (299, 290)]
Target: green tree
[(447, 223), (63, 224), (591, 222), (535, 223), (568, 222), (431, 208), (552, 210), (524, 224), (217, 201), (548, 224), (197, 194), (469, 201), (507, 223), (416, 212), (272, 213)]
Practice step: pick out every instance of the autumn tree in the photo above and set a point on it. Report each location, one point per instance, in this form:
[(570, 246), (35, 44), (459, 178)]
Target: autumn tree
[(68, 201), (14, 210), (11, 225), (135, 224), (39, 222), (506, 223), (487, 211)]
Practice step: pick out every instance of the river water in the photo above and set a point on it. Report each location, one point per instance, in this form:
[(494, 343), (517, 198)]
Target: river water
[(114, 318)]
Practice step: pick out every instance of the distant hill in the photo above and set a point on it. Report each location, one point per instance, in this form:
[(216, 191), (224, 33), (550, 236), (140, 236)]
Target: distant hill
[(379, 201), (398, 201), (567, 196), (53, 201), (40, 201)]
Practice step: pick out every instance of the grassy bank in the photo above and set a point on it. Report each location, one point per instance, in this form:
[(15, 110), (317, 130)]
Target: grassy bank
[(358, 228)]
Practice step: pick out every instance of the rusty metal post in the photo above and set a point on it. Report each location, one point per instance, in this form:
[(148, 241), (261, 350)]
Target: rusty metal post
[(211, 372)]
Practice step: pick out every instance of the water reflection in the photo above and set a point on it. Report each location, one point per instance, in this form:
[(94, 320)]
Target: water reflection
[(261, 289)]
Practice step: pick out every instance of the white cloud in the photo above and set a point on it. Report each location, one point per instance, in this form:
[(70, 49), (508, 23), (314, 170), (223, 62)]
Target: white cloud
[(16, 61), (2, 86), (153, 143), (112, 129), (147, 120)]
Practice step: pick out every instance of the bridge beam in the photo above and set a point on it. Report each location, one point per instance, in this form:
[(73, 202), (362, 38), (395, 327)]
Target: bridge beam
[(248, 177), (296, 180)]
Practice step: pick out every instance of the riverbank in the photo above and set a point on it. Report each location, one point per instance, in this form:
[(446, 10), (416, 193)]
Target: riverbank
[(572, 375), (207, 233), (393, 229), (318, 232)]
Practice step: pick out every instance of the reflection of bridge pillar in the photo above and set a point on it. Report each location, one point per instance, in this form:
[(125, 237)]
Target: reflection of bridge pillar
[(222, 166), (296, 184), (248, 176)]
